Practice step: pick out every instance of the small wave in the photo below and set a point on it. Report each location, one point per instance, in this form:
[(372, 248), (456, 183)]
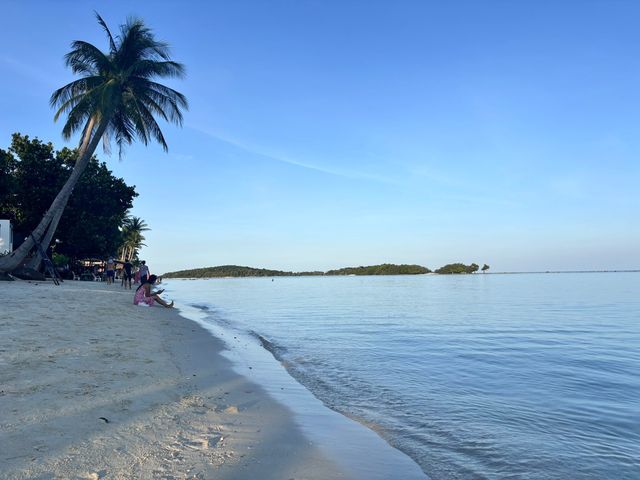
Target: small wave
[(212, 314), (276, 350), (199, 306)]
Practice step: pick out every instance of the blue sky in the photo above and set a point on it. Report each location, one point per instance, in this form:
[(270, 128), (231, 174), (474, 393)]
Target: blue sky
[(323, 134)]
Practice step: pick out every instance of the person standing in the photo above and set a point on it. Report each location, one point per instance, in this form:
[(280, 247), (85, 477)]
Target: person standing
[(111, 265), (144, 272), (127, 273), (128, 269)]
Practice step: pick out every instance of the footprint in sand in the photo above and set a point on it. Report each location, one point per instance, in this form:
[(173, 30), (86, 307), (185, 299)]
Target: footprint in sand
[(230, 409), (96, 475), (201, 442)]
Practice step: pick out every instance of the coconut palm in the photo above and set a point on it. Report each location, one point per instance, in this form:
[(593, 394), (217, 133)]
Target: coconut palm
[(116, 99), (133, 239)]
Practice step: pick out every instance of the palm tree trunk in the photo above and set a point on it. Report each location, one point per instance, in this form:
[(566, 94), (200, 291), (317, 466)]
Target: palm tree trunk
[(46, 241), (52, 216)]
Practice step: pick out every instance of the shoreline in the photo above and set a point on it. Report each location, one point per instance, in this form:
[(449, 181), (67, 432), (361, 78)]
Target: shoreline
[(95, 387), (361, 452)]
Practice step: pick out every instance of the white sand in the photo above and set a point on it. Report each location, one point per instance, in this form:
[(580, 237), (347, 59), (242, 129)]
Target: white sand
[(72, 354)]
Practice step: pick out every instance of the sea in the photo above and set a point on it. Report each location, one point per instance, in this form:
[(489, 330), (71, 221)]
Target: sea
[(483, 376)]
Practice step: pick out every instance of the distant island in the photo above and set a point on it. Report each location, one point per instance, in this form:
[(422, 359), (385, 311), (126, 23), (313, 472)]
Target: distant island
[(383, 269), (234, 271), (459, 268)]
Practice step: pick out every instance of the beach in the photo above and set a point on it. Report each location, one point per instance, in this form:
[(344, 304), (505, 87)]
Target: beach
[(94, 387)]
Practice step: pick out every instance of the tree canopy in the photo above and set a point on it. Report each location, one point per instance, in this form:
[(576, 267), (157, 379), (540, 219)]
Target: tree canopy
[(89, 226), (458, 268), (384, 269)]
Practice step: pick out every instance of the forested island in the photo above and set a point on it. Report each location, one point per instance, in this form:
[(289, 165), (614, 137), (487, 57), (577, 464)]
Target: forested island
[(234, 271), (383, 269)]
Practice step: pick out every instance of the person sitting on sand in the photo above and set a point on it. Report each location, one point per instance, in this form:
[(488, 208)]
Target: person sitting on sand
[(145, 295)]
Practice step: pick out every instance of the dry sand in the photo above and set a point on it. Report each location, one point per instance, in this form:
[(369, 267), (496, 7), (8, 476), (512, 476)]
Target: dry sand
[(94, 387)]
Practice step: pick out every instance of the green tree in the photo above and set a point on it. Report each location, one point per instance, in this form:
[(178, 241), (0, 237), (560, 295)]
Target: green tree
[(7, 182), (458, 268), (89, 225), (452, 268), (32, 163), (116, 98), (383, 269), (485, 267)]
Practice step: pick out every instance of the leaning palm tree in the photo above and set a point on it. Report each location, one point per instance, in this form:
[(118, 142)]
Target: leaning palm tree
[(116, 99)]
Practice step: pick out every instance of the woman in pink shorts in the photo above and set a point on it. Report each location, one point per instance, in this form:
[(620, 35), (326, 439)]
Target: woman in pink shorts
[(144, 294)]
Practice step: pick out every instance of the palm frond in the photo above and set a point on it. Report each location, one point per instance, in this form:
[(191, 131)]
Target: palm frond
[(78, 115), (86, 58), (153, 107), (122, 130), (112, 43), (66, 97), (167, 99), (151, 68), (151, 126)]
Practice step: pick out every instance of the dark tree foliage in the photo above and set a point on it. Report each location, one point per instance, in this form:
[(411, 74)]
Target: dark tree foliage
[(35, 174), (35, 179), (384, 269), (227, 271), (458, 268), (7, 181), (237, 271)]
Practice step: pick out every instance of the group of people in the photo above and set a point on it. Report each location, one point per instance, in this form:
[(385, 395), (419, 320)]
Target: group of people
[(126, 273), (144, 294)]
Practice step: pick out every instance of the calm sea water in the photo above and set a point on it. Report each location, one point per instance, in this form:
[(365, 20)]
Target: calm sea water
[(479, 376)]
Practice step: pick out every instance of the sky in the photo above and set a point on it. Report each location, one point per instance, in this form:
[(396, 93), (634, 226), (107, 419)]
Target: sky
[(324, 134)]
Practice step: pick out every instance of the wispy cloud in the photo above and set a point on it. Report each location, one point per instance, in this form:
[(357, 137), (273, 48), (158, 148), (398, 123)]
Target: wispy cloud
[(458, 189), (278, 157), (27, 70), (431, 175)]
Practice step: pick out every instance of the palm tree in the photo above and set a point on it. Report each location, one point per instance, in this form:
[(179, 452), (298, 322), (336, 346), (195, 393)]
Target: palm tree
[(116, 98), (133, 239)]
